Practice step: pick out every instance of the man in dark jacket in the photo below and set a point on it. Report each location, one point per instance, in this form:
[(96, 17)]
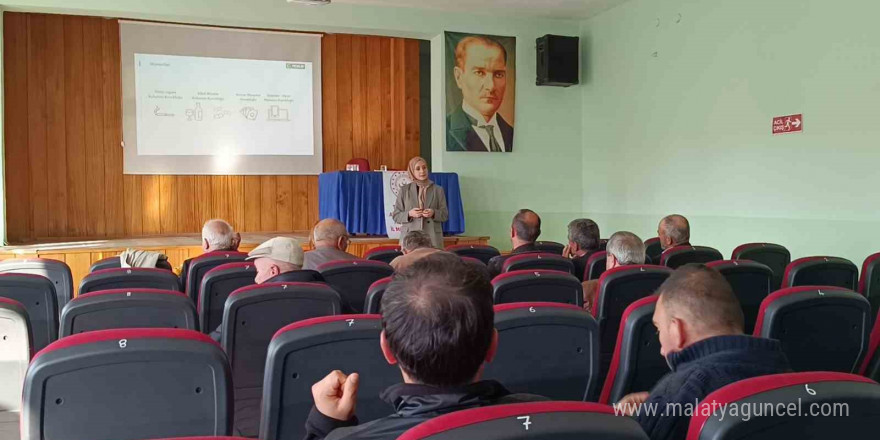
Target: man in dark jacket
[(438, 327), (524, 231), (700, 325)]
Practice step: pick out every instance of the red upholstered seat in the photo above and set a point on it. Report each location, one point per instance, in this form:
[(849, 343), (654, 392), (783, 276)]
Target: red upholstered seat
[(546, 348), (595, 265), (821, 328), (869, 281), (383, 253), (128, 308), (374, 295), (37, 294), (871, 365), (56, 271), (805, 392), (653, 250), (535, 420), (303, 352), (200, 265), (129, 277), (352, 278), (550, 247), (481, 252), (537, 285), (217, 284), (678, 256), (637, 364), (774, 256), (751, 282), (821, 271), (537, 260)]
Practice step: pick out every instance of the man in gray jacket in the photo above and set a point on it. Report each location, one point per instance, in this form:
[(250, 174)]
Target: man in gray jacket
[(331, 241)]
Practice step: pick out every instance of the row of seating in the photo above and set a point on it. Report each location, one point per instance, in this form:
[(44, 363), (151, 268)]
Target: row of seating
[(183, 389)]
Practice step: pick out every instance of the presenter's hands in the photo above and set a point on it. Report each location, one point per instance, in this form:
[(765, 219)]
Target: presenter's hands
[(336, 395), (428, 213), (415, 213)]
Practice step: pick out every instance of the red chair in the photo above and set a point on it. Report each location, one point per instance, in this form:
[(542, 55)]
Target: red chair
[(653, 251), (859, 397), (217, 284), (128, 308), (200, 265), (869, 282), (538, 260), (596, 265), (535, 421), (751, 283), (362, 164), (129, 278), (538, 285), (352, 278), (637, 364), (374, 296), (384, 254), (774, 256), (481, 252), (678, 256), (821, 271)]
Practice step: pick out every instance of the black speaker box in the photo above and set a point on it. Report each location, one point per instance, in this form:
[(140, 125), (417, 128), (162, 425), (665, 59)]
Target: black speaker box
[(558, 60)]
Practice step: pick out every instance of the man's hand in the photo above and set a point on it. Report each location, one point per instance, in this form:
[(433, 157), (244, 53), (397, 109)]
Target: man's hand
[(632, 401), (336, 395), (428, 213), (566, 252)]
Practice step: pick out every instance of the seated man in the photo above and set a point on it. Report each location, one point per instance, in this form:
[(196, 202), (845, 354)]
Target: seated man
[(438, 326), (331, 241), (673, 230), (700, 325), (623, 249), (416, 245), (217, 235), (278, 260), (524, 232), (583, 241)]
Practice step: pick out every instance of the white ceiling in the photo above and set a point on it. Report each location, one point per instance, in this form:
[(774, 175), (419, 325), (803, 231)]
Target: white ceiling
[(566, 9)]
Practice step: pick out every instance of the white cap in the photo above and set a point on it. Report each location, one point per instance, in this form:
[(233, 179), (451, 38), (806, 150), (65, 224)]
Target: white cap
[(281, 249)]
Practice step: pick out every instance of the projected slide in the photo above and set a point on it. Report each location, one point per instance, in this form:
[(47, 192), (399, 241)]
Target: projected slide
[(200, 106)]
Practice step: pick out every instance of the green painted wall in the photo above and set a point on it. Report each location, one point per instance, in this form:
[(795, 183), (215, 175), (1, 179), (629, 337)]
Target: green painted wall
[(544, 172), (677, 115)]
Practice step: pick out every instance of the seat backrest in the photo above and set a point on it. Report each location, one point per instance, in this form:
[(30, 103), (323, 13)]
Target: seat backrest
[(374, 296), (653, 250), (637, 364), (774, 256), (538, 260), (550, 247), (871, 365), (821, 328), (549, 349), (821, 271), (56, 271), (596, 265), (538, 285), (252, 316), (106, 263), (816, 405), (869, 281), (302, 353), (352, 278), (383, 253), (217, 284), (15, 352), (481, 252), (535, 420), (129, 278), (142, 383), (362, 163), (678, 256), (200, 265), (751, 282), (37, 294), (128, 308), (618, 288)]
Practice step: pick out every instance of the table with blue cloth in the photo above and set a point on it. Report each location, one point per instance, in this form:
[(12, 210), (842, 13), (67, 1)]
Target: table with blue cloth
[(356, 199)]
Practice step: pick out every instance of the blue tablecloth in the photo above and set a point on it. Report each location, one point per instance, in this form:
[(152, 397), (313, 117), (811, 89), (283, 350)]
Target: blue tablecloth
[(356, 199)]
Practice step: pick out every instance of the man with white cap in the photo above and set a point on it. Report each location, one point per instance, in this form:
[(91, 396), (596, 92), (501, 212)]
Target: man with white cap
[(278, 260)]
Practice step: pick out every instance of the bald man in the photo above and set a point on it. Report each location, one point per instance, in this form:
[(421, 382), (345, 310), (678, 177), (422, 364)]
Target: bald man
[(524, 232), (674, 230), (331, 241), (217, 236)]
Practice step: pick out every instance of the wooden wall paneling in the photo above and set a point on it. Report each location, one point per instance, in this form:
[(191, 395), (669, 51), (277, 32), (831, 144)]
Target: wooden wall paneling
[(411, 99), (151, 198), (252, 199), (373, 95), (114, 187), (19, 226), (56, 154), (268, 203), (329, 106), (358, 70), (385, 90), (203, 193), (314, 213), (398, 87), (186, 204), (79, 263), (283, 199), (299, 202), (219, 198), (134, 217), (75, 135), (168, 205), (94, 127), (36, 108), (344, 101), (235, 189)]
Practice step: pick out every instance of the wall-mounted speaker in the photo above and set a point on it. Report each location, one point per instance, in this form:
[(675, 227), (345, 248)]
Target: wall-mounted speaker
[(558, 60)]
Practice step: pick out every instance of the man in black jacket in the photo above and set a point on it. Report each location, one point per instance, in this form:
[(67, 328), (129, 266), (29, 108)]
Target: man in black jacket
[(700, 325), (524, 231), (438, 327)]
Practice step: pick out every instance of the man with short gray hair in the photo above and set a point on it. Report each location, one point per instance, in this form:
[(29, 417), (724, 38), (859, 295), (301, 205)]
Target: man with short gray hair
[(217, 235), (674, 230), (416, 245), (583, 242), (623, 249), (331, 240)]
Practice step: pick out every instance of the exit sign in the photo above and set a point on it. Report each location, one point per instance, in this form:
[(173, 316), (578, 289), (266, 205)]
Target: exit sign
[(788, 124)]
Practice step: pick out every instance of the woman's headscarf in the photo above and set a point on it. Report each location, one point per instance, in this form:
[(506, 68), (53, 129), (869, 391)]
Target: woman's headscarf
[(423, 185)]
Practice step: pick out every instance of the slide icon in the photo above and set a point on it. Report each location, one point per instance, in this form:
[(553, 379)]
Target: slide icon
[(194, 113), (277, 113), (249, 113)]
